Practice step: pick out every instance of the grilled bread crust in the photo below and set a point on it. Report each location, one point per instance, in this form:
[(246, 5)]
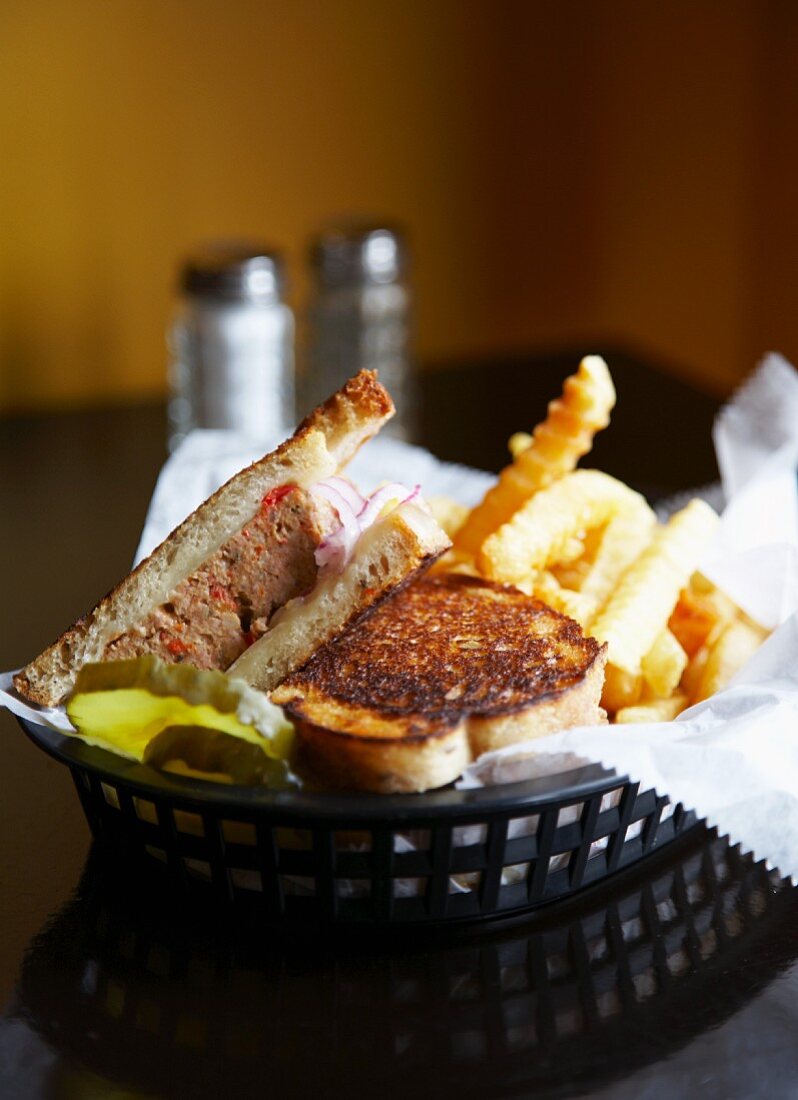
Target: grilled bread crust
[(449, 668), (321, 445), (391, 553)]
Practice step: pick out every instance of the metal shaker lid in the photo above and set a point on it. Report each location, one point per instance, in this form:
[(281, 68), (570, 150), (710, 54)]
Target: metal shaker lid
[(235, 271), (353, 252)]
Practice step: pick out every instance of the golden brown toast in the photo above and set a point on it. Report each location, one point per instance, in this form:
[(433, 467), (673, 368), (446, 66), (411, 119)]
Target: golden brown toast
[(448, 668)]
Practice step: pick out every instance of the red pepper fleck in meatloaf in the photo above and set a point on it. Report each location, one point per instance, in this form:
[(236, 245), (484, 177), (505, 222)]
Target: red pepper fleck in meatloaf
[(225, 606)]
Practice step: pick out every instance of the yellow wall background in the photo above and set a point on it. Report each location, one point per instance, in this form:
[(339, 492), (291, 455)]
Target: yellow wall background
[(621, 171)]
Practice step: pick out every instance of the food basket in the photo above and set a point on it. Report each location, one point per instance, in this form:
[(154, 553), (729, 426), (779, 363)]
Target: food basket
[(441, 857)]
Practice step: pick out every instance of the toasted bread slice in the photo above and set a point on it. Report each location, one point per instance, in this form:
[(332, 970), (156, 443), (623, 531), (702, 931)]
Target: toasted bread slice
[(448, 668), (321, 445), (390, 553)]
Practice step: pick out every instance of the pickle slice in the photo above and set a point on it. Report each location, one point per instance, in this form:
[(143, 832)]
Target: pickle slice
[(160, 713), (199, 751)]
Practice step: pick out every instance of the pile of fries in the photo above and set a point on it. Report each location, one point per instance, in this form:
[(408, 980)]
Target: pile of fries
[(591, 547)]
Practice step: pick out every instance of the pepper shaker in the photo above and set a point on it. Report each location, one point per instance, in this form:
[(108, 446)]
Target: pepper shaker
[(360, 316)]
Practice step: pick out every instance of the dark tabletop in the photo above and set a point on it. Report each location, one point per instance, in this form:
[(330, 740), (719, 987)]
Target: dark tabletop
[(679, 979)]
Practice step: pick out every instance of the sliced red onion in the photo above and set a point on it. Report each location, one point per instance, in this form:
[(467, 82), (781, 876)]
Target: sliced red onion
[(356, 513), (417, 499), (354, 497), (334, 551), (378, 500), (333, 495)]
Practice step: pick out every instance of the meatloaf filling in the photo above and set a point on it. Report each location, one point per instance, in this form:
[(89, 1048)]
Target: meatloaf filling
[(225, 606)]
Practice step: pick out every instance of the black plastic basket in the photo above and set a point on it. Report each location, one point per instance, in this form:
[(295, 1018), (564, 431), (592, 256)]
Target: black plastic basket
[(171, 999), (444, 856)]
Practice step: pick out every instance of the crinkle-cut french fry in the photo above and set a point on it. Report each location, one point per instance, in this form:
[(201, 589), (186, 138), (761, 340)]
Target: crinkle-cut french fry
[(449, 514), (518, 442), (761, 632), (557, 445), (737, 642), (621, 689), (592, 540), (571, 551), (571, 574), (572, 420), (664, 664), (657, 710), (572, 569), (691, 677), (454, 562), (545, 587), (647, 593), (699, 582), (624, 538), (700, 609), (541, 531)]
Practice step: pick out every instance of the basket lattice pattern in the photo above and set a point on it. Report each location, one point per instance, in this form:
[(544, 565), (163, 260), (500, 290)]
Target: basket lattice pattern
[(181, 1000), (468, 865)]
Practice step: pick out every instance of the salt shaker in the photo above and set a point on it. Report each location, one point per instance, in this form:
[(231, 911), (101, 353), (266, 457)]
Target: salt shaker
[(359, 316), (232, 345)]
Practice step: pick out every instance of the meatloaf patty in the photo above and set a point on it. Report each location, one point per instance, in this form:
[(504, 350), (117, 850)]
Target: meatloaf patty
[(225, 606)]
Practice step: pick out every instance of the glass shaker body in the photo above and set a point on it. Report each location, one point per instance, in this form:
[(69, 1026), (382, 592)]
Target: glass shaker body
[(360, 316), (232, 348)]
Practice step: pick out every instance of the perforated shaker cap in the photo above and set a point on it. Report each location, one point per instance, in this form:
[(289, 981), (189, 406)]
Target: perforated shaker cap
[(235, 271), (353, 252)]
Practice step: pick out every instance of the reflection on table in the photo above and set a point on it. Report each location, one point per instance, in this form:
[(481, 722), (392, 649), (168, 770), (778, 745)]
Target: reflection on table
[(165, 995)]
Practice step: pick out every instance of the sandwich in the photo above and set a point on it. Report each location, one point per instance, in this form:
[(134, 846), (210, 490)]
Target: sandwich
[(450, 667), (275, 564)]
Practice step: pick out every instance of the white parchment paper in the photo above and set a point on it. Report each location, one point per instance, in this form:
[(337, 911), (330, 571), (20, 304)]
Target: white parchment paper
[(734, 758)]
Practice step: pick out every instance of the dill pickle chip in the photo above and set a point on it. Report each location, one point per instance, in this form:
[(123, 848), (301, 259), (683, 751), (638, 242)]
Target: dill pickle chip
[(212, 752), (158, 713)]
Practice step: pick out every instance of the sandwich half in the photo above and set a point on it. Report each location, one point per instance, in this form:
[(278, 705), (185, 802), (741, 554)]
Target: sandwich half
[(448, 668), (282, 535)]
